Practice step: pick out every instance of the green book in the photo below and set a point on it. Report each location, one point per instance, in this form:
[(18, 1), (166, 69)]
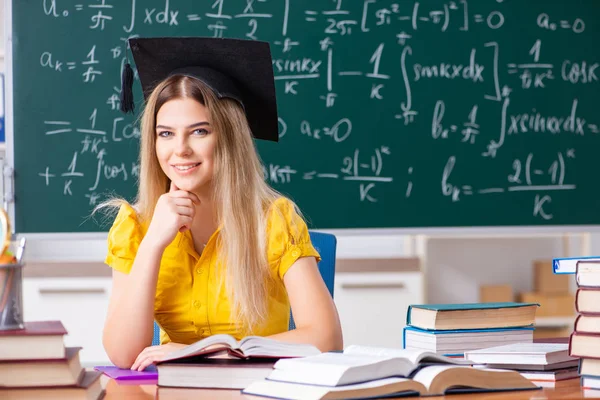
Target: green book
[(471, 315)]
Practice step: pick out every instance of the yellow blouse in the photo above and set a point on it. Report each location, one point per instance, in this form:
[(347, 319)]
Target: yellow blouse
[(190, 304)]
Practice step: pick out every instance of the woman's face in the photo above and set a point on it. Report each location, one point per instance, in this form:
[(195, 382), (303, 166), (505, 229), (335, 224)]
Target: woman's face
[(185, 144)]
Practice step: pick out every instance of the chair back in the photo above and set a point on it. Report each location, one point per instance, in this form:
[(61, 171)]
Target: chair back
[(325, 244)]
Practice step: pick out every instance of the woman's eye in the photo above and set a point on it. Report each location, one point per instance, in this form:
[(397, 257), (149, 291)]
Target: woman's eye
[(200, 132), (164, 134)]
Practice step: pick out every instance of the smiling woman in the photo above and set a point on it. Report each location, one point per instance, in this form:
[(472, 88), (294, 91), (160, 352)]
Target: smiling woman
[(208, 247)]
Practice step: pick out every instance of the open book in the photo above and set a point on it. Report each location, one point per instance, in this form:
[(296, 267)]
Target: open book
[(432, 380), (356, 364), (251, 346)]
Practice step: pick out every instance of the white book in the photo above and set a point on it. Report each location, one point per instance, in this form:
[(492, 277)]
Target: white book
[(431, 380), (551, 376), (356, 364), (568, 265), (522, 353)]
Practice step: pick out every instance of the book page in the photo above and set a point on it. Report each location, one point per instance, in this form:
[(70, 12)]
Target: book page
[(412, 355), (427, 375), (262, 346), (211, 342)]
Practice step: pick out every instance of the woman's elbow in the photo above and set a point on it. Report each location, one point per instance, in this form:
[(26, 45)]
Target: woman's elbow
[(121, 357), (336, 342), (332, 340)]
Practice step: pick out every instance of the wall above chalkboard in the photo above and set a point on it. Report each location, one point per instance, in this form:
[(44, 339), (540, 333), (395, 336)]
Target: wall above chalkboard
[(391, 113)]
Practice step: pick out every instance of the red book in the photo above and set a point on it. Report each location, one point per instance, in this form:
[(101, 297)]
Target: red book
[(587, 301), (39, 340), (584, 345), (25, 373), (88, 388)]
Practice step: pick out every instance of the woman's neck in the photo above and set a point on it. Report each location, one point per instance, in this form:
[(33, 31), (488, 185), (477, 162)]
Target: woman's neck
[(205, 221)]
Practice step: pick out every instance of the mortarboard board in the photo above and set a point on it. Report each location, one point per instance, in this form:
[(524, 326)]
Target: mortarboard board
[(232, 68)]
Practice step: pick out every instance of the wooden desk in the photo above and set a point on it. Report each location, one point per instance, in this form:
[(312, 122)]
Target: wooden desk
[(565, 390)]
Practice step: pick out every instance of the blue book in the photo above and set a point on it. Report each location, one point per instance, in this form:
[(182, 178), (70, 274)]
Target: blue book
[(471, 315), (452, 343), (568, 265)]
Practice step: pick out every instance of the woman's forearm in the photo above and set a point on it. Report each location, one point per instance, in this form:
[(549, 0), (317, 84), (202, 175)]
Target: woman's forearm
[(128, 327)]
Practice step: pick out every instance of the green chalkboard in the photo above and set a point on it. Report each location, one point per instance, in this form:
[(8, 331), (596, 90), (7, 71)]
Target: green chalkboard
[(392, 113)]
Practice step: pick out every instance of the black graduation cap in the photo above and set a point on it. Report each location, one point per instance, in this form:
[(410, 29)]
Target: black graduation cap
[(232, 68)]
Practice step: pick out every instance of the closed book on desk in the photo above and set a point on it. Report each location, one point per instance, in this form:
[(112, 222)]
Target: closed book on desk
[(587, 301), (88, 388), (37, 341), (217, 373), (471, 315), (552, 376), (589, 366), (249, 347), (432, 380), (587, 324), (61, 372), (522, 353), (457, 342), (356, 364), (587, 274), (585, 345)]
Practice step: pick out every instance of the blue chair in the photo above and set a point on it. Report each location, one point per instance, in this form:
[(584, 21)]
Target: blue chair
[(326, 245)]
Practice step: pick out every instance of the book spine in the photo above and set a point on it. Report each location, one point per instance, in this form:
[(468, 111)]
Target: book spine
[(408, 312)]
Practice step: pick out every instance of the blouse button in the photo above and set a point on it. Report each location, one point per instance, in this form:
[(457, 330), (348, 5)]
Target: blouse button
[(199, 271), (196, 304), (295, 253)]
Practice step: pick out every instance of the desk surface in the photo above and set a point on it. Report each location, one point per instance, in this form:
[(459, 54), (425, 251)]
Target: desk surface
[(564, 390)]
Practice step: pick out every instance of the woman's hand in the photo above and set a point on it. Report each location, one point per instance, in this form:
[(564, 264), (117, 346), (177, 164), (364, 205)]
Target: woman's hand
[(154, 353), (174, 213)]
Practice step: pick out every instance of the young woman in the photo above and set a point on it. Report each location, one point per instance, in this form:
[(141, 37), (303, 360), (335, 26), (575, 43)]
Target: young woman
[(208, 247)]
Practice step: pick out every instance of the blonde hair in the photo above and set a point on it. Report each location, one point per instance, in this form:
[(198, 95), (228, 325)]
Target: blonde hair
[(241, 195)]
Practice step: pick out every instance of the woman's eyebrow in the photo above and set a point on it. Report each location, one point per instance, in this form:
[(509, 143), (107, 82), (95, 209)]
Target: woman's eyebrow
[(195, 125)]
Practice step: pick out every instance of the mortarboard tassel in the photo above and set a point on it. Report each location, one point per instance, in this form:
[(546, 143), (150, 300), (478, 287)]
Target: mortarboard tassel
[(127, 105)]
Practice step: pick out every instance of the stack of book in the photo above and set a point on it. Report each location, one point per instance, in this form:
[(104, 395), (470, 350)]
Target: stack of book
[(453, 329), (368, 372), (34, 364), (544, 363), (584, 342)]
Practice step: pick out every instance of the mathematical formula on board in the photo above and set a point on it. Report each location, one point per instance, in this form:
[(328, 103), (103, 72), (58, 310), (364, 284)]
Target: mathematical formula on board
[(390, 69)]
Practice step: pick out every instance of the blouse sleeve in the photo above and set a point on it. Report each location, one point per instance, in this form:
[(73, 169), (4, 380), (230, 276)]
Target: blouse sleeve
[(124, 239), (288, 237)]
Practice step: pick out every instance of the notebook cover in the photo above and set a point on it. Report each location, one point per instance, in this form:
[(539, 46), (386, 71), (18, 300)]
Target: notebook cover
[(37, 328), (556, 264), (119, 374)]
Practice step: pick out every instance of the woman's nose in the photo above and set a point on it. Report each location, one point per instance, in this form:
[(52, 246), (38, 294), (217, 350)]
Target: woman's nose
[(183, 147)]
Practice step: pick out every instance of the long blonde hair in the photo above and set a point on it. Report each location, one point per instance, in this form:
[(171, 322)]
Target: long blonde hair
[(241, 195)]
